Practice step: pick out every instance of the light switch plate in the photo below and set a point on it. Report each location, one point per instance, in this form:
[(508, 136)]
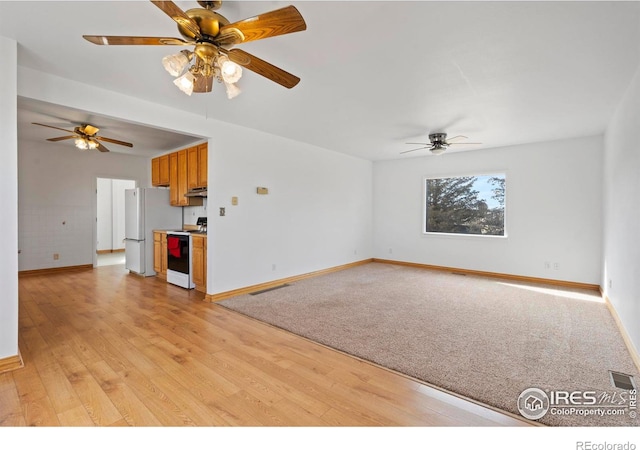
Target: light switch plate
[(263, 191), (234, 201)]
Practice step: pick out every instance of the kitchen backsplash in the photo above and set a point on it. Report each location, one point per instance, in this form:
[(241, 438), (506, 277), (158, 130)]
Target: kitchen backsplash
[(191, 214)]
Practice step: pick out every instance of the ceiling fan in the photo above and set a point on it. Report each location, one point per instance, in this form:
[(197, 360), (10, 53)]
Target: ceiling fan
[(212, 37), (85, 137), (439, 143)]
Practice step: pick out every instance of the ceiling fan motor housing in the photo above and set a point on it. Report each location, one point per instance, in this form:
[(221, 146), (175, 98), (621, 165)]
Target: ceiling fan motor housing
[(208, 21), (438, 139)]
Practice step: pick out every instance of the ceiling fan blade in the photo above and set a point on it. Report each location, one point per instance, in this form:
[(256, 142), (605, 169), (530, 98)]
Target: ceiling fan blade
[(275, 23), (55, 128), (101, 147), (261, 67), (463, 143), (134, 40), (62, 138), (456, 137), (187, 23), (415, 149), (418, 143), (203, 84), (113, 141)]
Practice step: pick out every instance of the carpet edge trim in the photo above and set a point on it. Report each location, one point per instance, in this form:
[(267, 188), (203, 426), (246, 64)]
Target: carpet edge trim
[(395, 372)]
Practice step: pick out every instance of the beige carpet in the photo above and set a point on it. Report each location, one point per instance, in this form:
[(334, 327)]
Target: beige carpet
[(482, 338)]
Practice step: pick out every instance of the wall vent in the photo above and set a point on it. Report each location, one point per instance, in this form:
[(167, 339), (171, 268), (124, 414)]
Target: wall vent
[(269, 289)]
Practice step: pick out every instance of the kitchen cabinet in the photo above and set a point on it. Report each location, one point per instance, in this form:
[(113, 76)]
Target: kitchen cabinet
[(203, 164), (160, 254), (181, 171), (199, 263), (160, 171), (178, 180), (197, 162)]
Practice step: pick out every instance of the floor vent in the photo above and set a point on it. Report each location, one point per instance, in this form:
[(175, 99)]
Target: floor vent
[(622, 380), (269, 289)]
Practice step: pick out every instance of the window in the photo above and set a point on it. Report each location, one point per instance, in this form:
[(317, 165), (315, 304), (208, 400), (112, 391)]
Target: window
[(465, 205)]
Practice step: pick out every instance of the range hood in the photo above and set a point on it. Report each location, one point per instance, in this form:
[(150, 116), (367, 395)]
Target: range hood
[(197, 192)]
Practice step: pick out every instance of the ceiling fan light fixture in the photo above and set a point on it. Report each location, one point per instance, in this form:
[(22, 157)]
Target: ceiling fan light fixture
[(438, 150), (232, 90), (92, 144), (231, 72), (175, 64), (81, 143), (185, 83)]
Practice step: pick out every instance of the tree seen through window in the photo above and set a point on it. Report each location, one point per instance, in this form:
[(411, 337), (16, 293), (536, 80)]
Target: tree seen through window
[(466, 205)]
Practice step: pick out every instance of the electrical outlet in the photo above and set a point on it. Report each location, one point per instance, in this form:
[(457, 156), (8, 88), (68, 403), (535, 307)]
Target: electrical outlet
[(547, 265), (273, 267), (390, 250), (556, 266), (56, 256)]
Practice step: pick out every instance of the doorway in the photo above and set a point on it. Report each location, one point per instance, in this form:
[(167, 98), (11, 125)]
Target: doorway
[(110, 220)]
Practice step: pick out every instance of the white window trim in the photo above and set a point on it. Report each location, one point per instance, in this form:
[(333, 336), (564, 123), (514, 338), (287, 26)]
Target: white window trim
[(423, 219)]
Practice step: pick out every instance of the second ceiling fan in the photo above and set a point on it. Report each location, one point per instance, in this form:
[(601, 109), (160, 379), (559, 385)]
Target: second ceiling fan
[(212, 37)]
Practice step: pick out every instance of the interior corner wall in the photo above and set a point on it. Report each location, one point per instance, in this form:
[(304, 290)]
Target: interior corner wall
[(553, 211), (317, 213), (621, 262), (8, 199)]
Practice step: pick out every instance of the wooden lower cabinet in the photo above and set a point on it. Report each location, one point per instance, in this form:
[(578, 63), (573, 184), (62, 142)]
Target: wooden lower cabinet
[(199, 263), (160, 254)]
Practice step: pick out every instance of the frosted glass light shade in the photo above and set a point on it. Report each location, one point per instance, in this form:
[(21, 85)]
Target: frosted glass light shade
[(175, 64), (81, 144), (231, 72), (232, 90), (185, 83)]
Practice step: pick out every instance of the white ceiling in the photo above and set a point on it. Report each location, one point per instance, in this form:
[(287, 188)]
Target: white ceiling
[(375, 74)]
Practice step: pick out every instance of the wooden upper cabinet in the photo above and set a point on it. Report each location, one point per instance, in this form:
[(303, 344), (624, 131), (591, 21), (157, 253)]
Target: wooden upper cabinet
[(203, 164), (197, 157), (192, 163), (160, 171), (181, 171), (179, 177), (173, 179)]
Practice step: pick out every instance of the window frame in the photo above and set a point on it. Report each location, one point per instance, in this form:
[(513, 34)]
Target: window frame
[(423, 219)]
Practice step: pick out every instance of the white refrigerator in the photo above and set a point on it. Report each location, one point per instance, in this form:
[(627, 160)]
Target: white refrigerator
[(146, 209)]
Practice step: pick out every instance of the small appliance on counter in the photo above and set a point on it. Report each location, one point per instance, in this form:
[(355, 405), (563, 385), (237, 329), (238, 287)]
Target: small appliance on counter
[(202, 224)]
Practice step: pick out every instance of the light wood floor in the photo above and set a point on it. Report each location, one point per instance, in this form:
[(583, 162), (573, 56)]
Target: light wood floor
[(102, 347)]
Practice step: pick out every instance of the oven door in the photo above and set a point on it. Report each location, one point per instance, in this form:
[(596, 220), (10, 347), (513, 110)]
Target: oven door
[(178, 256)]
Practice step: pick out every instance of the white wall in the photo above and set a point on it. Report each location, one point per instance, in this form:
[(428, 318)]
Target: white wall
[(8, 199), (317, 213), (621, 267), (553, 210), (57, 201)]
